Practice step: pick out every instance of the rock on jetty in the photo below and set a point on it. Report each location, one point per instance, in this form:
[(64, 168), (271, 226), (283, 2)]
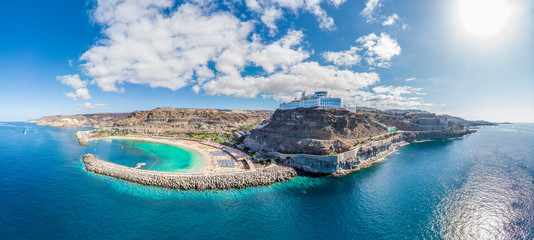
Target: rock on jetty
[(83, 138), (185, 181)]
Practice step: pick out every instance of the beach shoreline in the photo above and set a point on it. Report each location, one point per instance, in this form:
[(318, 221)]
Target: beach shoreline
[(208, 163)]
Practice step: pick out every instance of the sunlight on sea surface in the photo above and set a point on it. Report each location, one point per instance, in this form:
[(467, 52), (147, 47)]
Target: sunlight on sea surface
[(479, 187)]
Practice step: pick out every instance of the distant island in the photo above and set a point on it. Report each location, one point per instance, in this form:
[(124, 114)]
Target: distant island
[(267, 146)]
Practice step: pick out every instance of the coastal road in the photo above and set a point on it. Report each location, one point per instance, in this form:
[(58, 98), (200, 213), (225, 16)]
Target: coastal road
[(250, 164)]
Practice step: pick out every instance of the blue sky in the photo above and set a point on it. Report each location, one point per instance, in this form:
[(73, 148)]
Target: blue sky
[(470, 58)]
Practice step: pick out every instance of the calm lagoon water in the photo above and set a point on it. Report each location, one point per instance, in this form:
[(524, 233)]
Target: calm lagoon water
[(156, 156), (479, 187)]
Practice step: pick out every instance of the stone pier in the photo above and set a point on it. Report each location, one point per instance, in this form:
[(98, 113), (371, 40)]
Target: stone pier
[(187, 181)]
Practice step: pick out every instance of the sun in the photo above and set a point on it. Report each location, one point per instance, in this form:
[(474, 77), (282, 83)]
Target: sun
[(484, 18)]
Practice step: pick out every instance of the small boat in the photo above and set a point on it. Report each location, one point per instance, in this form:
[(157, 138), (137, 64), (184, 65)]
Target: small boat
[(25, 131), (138, 165)]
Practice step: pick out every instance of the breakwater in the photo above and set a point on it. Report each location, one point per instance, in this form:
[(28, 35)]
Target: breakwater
[(182, 181), (83, 138)]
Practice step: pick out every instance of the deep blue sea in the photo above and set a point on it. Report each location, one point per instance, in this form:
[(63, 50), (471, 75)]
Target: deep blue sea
[(479, 187)]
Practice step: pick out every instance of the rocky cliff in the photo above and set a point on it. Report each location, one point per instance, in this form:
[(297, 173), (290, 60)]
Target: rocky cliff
[(363, 155), (82, 120), (318, 131), (435, 135)]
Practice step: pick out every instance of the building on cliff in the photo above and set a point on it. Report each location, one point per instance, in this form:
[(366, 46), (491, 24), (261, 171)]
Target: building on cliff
[(432, 123), (318, 99)]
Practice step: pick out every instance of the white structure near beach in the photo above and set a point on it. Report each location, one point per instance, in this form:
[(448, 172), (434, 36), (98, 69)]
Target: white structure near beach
[(318, 99)]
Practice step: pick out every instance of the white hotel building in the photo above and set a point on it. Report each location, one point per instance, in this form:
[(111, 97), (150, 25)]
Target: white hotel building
[(318, 99)]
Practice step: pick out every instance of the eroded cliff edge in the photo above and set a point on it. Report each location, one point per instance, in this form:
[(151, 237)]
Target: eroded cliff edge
[(334, 141), (319, 131)]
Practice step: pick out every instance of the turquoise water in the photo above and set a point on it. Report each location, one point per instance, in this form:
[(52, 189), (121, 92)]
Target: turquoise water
[(156, 156), (479, 187)]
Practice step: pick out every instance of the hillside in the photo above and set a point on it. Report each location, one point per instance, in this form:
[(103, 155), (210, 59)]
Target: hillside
[(82, 120), (179, 120), (314, 131), (466, 123)]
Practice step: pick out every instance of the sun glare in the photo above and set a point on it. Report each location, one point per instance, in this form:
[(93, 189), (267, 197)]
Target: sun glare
[(484, 18)]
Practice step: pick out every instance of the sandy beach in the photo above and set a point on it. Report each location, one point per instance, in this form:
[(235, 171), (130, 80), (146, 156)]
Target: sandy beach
[(210, 162)]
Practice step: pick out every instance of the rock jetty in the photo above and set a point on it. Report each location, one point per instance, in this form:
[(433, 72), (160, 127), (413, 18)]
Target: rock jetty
[(188, 181), (83, 138)]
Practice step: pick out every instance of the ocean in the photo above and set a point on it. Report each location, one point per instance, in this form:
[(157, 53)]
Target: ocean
[(478, 187)]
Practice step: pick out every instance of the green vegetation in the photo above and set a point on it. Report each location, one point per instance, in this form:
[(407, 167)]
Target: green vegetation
[(378, 117), (105, 133), (215, 137), (248, 127)]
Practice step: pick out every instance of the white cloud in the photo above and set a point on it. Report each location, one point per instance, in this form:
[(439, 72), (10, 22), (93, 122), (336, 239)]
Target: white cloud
[(253, 5), (270, 10), (72, 81), (269, 17), (391, 20), (397, 91), (344, 58), (383, 100), (369, 10), (279, 54), (153, 43), (337, 3), (143, 45), (325, 21), (409, 79), (372, 14), (308, 76), (379, 50), (79, 94), (90, 106)]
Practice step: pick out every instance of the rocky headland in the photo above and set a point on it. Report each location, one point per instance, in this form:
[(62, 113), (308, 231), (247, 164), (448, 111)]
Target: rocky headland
[(336, 141), (96, 120), (319, 131), (362, 155)]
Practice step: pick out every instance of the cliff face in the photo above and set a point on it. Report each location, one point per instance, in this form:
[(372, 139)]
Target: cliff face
[(363, 155), (435, 135), (343, 163), (314, 131), (82, 120)]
